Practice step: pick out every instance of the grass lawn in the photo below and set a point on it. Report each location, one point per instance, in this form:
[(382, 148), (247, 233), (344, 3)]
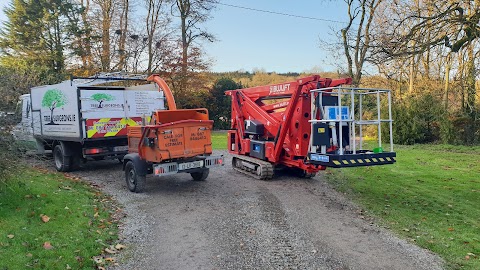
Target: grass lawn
[(48, 221), (431, 196), (219, 140)]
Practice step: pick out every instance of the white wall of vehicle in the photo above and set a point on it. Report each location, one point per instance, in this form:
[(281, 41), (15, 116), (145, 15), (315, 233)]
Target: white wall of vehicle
[(55, 107)]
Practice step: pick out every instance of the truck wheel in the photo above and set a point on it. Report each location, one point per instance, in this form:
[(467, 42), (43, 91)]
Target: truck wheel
[(62, 163), (135, 182), (200, 176)]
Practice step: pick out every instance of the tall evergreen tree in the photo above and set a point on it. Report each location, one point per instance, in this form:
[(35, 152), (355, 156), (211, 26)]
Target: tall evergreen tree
[(38, 33)]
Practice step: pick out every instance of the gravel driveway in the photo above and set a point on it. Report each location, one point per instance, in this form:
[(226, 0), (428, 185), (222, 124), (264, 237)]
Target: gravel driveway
[(231, 221)]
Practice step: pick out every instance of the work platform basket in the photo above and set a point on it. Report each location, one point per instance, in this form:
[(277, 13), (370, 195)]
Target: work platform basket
[(340, 119)]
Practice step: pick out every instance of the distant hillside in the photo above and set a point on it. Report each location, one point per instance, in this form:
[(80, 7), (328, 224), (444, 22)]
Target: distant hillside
[(252, 79)]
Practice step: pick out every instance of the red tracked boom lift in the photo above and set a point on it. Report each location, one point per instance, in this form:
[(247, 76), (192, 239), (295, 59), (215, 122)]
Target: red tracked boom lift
[(305, 125)]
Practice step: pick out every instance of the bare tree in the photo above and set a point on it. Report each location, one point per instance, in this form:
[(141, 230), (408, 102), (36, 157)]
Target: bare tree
[(192, 13), (122, 31), (85, 41), (454, 24), (153, 20), (451, 24), (104, 16), (356, 36)]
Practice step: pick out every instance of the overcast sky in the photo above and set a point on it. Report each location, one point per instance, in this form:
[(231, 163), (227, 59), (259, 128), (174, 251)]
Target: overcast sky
[(249, 39)]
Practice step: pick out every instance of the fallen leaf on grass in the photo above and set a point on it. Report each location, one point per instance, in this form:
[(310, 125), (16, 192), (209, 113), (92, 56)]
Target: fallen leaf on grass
[(10, 236), (119, 247), (98, 260), (451, 229), (110, 251), (47, 245), (45, 218)]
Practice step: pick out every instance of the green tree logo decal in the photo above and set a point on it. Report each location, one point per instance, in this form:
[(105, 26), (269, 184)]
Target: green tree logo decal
[(102, 97), (52, 99)]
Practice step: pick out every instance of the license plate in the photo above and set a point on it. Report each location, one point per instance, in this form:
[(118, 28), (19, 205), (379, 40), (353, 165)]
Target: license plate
[(190, 165), (120, 148)]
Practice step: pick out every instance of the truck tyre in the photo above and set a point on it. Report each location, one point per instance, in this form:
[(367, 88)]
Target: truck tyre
[(62, 162), (201, 175), (135, 182)]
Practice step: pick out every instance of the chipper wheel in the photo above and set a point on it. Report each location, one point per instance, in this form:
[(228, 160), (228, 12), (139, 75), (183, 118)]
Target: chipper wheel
[(135, 182), (201, 175)]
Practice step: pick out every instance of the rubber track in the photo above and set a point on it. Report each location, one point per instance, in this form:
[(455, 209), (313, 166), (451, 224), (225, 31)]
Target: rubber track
[(265, 166)]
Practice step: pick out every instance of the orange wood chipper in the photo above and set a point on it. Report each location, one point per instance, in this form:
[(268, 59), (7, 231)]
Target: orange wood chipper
[(173, 141)]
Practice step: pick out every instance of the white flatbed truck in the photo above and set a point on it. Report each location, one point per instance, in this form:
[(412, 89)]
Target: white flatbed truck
[(87, 118)]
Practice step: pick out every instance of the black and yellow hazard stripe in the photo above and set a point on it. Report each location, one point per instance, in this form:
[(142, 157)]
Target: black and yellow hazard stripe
[(354, 160)]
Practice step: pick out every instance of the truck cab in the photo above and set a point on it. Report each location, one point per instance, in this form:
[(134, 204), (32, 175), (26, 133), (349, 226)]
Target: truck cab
[(23, 130)]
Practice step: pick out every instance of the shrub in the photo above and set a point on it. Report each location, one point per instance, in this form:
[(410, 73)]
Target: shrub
[(418, 120), (219, 104)]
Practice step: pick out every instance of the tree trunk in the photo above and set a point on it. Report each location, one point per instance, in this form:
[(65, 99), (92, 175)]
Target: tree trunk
[(347, 53), (106, 23), (448, 66), (123, 35), (86, 54), (51, 116), (411, 75), (471, 79), (184, 9), (184, 46)]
